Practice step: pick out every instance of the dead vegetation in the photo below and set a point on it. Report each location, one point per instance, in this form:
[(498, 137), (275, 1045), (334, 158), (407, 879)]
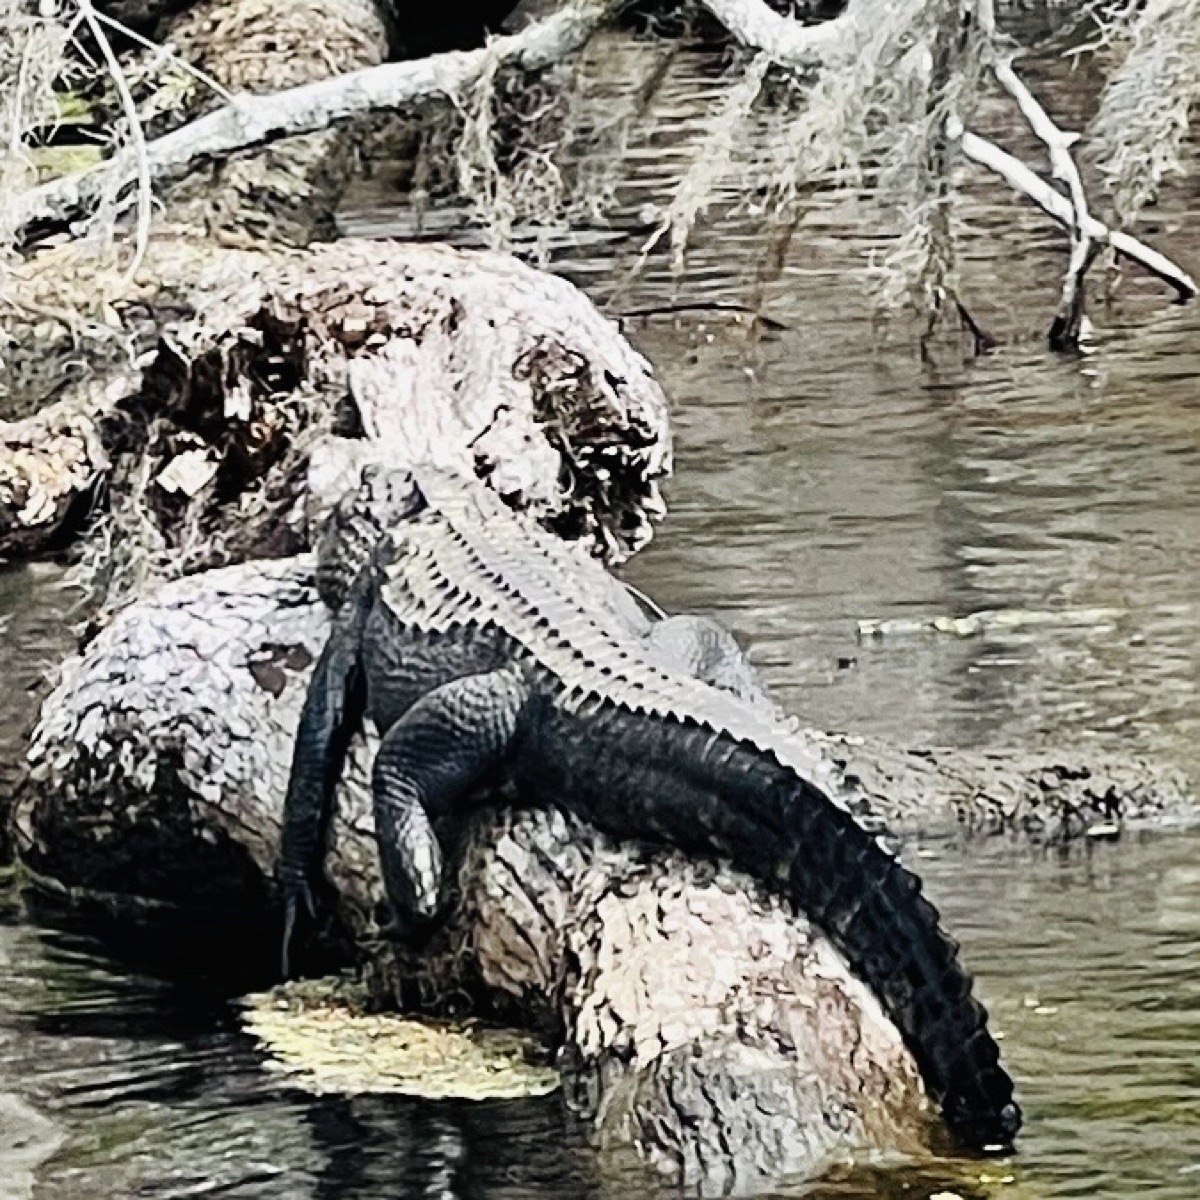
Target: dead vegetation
[(880, 94)]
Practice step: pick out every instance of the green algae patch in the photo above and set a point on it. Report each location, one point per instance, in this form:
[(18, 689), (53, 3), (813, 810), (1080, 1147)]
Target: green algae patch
[(321, 1034)]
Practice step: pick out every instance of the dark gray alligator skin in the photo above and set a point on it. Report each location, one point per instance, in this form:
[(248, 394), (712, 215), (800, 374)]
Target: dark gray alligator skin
[(488, 652)]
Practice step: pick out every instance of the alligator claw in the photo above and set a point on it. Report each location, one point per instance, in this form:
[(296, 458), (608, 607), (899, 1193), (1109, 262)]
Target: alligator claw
[(296, 894)]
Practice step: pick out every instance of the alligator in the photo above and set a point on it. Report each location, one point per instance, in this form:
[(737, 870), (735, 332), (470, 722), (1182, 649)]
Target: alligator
[(491, 654)]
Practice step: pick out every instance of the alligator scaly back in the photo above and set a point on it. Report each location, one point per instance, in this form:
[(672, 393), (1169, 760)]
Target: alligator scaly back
[(466, 560)]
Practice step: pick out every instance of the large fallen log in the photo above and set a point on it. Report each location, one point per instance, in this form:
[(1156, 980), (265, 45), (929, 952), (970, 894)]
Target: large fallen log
[(698, 1016)]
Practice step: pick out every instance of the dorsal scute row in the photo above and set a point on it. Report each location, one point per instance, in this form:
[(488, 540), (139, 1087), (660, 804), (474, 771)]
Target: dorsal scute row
[(467, 558)]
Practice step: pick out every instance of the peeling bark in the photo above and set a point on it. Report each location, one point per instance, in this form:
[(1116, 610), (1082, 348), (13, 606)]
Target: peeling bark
[(49, 463), (470, 359)]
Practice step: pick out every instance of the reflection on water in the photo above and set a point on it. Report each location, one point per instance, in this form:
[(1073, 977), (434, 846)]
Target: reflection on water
[(160, 1095), (826, 475), (1091, 973), (841, 485)]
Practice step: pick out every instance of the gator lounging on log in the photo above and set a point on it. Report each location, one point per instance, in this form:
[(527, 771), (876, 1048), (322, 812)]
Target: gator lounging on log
[(700, 1018)]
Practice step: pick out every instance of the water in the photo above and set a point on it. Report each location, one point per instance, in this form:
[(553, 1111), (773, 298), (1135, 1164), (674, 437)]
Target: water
[(1088, 962), (827, 475)]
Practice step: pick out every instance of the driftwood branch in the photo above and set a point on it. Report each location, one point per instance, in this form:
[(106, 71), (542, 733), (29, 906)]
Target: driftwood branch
[(1064, 333), (1052, 202), (1072, 210), (256, 120)]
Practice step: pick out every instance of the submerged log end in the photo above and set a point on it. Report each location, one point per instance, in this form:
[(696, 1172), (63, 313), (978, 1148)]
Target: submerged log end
[(1052, 795)]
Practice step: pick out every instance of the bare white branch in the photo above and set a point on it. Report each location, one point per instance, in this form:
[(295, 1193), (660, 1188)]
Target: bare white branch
[(253, 120), (1056, 205), (789, 43), (1065, 330)]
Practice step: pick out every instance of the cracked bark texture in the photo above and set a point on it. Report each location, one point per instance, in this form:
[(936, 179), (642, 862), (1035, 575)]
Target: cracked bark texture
[(698, 1017), (469, 358)]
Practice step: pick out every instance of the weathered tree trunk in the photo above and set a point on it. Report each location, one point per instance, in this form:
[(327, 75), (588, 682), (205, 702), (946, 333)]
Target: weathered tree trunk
[(470, 358)]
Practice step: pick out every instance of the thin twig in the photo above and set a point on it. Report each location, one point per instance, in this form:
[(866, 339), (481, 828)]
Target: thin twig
[(171, 56), (16, 131), (137, 138)]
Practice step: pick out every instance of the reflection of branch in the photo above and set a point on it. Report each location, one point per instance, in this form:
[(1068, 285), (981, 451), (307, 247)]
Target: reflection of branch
[(1056, 205), (254, 120)]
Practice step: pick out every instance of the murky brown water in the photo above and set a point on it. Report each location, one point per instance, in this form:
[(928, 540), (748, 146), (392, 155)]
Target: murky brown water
[(826, 475)]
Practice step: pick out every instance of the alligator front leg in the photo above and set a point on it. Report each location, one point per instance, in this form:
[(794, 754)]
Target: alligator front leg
[(333, 708), (447, 743)]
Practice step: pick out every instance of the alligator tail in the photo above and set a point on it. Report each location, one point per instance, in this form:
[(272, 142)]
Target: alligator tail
[(873, 910), (731, 797)]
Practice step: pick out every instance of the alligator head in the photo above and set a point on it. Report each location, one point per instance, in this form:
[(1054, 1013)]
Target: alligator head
[(385, 497)]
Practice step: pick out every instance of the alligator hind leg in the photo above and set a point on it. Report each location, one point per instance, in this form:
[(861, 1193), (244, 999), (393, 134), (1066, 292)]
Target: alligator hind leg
[(447, 743)]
